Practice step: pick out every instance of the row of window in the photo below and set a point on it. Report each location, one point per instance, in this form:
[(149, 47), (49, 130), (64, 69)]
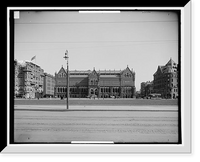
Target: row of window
[(175, 89), (72, 89), (93, 82), (36, 77), (27, 82), (50, 80), (166, 76), (102, 89), (73, 95), (50, 92), (116, 89), (62, 75), (35, 68), (128, 75), (50, 88), (50, 85)]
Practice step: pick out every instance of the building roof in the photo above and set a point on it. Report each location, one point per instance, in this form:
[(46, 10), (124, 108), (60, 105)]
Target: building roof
[(24, 63), (171, 63), (79, 72), (169, 67), (100, 72), (49, 75)]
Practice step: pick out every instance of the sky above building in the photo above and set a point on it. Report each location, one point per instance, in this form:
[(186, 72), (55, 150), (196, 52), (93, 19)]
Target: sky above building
[(141, 40)]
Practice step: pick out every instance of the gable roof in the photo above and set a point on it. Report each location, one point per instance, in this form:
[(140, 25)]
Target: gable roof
[(167, 68), (62, 70), (93, 73), (170, 63), (127, 69), (159, 69)]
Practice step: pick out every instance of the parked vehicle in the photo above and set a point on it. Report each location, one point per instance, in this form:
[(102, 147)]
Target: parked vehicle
[(155, 96)]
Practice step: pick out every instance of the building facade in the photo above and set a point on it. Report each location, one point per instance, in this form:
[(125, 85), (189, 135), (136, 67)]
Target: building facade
[(146, 88), (49, 85), (166, 80), (142, 89), (30, 79), (17, 80), (101, 84)]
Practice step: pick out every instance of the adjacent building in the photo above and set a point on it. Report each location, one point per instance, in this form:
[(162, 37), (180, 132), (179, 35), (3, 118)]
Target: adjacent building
[(49, 85), (101, 83), (147, 88), (142, 89), (166, 80), (29, 79), (17, 80)]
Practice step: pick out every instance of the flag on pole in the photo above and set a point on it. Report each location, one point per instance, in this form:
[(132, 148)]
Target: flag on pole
[(33, 58)]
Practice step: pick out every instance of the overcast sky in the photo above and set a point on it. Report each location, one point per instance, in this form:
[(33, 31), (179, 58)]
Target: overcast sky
[(141, 40)]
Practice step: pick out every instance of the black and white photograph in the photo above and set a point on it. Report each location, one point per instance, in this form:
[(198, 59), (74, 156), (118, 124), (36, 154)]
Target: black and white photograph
[(98, 80), (110, 76)]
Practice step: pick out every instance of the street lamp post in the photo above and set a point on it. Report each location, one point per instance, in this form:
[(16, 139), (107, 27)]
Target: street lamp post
[(67, 90)]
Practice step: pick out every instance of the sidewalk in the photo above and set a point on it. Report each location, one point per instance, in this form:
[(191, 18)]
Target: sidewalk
[(95, 108)]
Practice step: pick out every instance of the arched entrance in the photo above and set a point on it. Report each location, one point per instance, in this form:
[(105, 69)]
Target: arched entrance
[(94, 91)]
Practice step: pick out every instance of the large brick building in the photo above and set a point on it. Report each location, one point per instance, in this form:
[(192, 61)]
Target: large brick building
[(102, 83), (166, 80)]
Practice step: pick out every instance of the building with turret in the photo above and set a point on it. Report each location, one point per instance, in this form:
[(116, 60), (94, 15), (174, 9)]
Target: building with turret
[(166, 80)]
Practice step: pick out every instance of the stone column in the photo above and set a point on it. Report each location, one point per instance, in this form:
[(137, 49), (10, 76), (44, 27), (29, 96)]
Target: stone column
[(121, 92), (111, 91), (99, 90)]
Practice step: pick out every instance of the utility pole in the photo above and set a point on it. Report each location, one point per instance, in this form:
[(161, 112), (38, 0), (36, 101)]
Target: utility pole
[(67, 90)]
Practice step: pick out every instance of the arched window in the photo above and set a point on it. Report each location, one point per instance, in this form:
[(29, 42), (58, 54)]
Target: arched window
[(92, 91), (91, 82)]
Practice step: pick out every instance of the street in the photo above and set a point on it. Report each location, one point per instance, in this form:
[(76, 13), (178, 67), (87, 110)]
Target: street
[(96, 102), (135, 124)]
